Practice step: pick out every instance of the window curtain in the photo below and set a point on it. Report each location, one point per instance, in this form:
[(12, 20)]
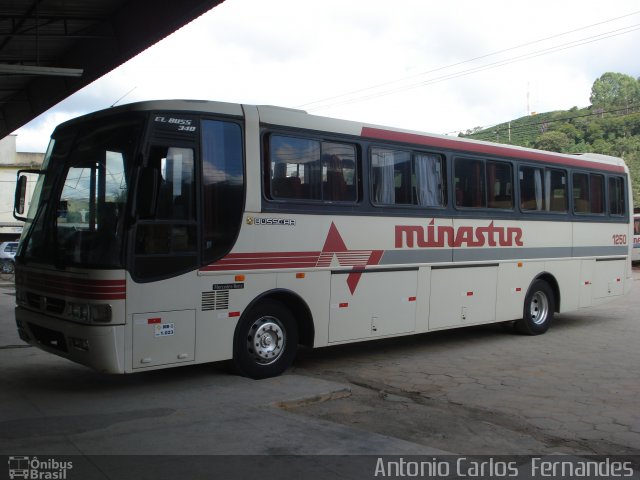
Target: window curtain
[(537, 178), (427, 170), (547, 190), (492, 191), (385, 189)]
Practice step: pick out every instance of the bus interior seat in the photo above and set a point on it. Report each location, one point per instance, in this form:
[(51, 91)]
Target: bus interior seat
[(335, 187), (286, 187)]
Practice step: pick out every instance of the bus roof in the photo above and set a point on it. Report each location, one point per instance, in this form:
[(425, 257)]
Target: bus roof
[(301, 119), (293, 118)]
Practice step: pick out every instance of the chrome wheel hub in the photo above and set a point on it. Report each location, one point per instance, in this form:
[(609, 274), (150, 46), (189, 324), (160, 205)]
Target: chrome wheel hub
[(266, 340), (539, 308)]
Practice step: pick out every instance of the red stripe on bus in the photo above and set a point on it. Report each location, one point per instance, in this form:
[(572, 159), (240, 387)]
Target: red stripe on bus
[(69, 280), (256, 266), (437, 142), (252, 261), (259, 255), (84, 288)]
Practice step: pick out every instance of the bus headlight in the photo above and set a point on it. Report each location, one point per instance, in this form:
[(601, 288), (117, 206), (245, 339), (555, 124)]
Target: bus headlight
[(101, 313), (82, 312), (79, 311)]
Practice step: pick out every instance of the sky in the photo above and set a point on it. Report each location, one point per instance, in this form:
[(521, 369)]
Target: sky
[(438, 67)]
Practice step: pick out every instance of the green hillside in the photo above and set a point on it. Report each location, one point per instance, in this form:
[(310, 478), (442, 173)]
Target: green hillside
[(610, 125)]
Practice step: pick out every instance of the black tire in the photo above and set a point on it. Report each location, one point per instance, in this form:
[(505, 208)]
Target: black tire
[(266, 340), (539, 305)]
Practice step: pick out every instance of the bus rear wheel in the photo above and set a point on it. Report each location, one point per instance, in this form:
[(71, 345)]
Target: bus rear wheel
[(539, 305), (266, 340)]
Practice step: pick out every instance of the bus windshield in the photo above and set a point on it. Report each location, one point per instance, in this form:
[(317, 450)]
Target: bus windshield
[(77, 213)]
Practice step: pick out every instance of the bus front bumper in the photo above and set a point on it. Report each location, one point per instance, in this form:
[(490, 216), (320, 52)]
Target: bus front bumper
[(96, 346)]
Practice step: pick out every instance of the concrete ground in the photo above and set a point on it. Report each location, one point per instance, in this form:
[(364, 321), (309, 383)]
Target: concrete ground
[(485, 390), (50, 406)]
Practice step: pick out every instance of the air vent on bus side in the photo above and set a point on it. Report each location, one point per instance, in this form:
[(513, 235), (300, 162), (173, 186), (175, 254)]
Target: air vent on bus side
[(216, 300)]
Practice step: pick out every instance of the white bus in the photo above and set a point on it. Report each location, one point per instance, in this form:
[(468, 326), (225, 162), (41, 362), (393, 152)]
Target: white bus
[(180, 232), (635, 256)]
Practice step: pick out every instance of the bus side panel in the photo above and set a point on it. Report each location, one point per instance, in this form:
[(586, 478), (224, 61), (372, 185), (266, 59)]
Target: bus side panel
[(158, 305), (223, 300), (609, 279), (462, 296), (313, 288), (514, 279), (600, 239), (567, 274), (384, 303), (424, 293)]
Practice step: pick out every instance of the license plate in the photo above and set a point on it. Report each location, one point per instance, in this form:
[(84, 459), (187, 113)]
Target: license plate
[(165, 329)]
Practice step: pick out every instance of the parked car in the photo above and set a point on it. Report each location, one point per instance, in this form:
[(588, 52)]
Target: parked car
[(7, 256)]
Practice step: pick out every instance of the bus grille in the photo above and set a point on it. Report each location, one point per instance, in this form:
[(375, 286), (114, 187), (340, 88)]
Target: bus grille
[(217, 300), (47, 304), (48, 338)]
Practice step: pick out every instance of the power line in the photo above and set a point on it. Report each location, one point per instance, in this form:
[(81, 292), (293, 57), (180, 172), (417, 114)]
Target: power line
[(500, 63), (468, 61), (523, 127)]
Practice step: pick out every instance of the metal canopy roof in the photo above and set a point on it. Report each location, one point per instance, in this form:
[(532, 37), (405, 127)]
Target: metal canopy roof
[(49, 49)]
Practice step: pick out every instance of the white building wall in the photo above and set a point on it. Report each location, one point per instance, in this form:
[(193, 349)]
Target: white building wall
[(10, 162)]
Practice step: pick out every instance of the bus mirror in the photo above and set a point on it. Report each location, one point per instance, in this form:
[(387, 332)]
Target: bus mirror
[(20, 199), (147, 192), (21, 196)]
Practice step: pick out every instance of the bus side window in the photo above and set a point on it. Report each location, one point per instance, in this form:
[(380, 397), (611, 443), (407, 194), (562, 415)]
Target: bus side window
[(173, 230), (588, 193), (616, 196), (176, 198), (311, 170), (532, 194), (557, 181), (223, 187), (469, 183), (339, 172), (295, 168), (581, 193), (596, 193), (499, 185), (543, 189), (391, 176), (428, 180)]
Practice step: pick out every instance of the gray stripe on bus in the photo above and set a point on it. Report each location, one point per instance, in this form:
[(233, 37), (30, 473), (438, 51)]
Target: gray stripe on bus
[(397, 257)]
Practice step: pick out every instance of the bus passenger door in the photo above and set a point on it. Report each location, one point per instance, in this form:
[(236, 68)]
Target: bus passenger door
[(160, 303), (382, 303)]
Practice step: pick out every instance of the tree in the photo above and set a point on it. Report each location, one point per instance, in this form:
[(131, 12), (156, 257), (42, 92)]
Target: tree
[(615, 90), (572, 133), (553, 141)]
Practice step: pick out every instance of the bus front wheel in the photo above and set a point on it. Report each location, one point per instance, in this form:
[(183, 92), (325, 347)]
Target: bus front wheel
[(539, 305), (266, 340)]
